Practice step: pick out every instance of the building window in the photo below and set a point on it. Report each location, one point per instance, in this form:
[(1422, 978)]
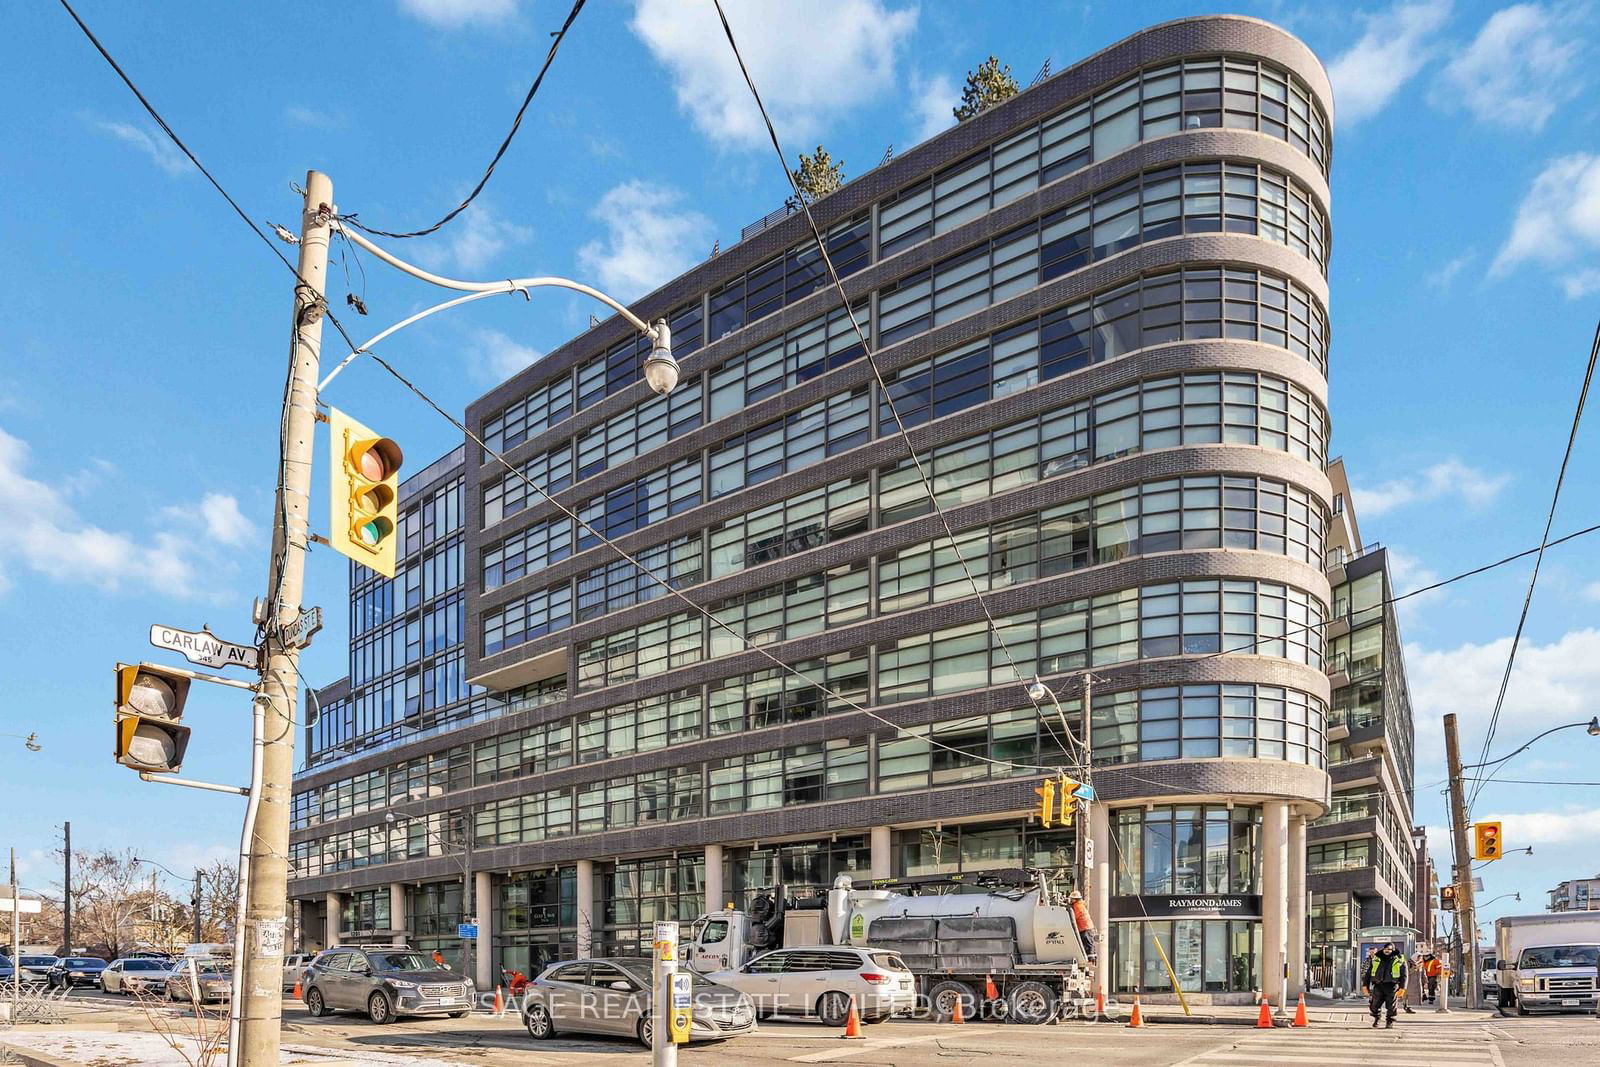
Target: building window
[(1192, 849), (1208, 955)]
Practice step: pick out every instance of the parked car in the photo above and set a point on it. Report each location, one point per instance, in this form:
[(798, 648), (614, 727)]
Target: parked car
[(36, 969), (294, 967), (76, 971), (386, 983), (612, 996), (821, 980), (212, 978), (141, 974)]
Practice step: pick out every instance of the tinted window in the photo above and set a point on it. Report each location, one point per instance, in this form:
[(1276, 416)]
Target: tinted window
[(76, 962), (38, 961), (771, 963), (601, 976), (573, 972)]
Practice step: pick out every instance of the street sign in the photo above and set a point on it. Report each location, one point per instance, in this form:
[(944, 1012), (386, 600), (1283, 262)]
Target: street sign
[(1084, 791), (204, 648), (304, 628), (1088, 852), (23, 905), (467, 931)]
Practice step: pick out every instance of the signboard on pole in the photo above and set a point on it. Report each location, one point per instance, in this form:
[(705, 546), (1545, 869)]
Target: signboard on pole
[(22, 905), (467, 931), (682, 997), (204, 648)]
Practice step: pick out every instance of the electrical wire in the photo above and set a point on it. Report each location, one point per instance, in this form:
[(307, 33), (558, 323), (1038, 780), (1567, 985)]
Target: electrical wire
[(1521, 781), (516, 124), (1533, 579), (745, 643), (877, 374)]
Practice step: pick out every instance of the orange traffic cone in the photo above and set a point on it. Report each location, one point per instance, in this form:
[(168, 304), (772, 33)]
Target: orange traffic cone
[(1264, 1020), (1300, 1013), (956, 1014), (852, 1024), (297, 989), (1137, 1018), (499, 1002), (1099, 1004), (989, 991)]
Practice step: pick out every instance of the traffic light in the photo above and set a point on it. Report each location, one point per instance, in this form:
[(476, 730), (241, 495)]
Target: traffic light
[(1447, 898), (364, 481), (1486, 841), (1047, 801), (1064, 791), (149, 703)]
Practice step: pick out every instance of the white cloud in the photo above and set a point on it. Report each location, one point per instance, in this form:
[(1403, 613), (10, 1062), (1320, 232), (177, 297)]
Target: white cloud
[(223, 521), (1394, 47), (312, 118), (1581, 284), (1442, 278), (810, 64), (43, 533), (649, 240), (1449, 478), (933, 102), (1574, 826), (1518, 69), (1551, 685), (453, 14), (1592, 592), (1558, 219), (160, 151), (497, 357), (1408, 572), (475, 238)]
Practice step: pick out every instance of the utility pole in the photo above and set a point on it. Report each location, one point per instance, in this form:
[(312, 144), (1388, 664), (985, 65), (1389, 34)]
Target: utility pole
[(1466, 917), (1080, 822), (266, 914), (16, 941), (66, 890), (194, 907)]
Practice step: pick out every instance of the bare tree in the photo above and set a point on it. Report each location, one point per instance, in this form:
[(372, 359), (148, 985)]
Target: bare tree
[(816, 177), (117, 907), (987, 86), (220, 902)]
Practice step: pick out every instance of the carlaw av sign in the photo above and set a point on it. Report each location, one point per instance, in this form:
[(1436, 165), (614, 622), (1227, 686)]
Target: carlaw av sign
[(204, 648)]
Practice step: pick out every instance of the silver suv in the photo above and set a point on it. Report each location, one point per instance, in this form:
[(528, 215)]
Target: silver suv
[(385, 983)]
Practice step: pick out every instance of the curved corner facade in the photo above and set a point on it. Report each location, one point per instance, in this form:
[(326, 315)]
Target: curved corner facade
[(1101, 309)]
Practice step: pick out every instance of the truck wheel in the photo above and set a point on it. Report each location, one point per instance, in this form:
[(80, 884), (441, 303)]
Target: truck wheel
[(1031, 1003), (942, 1000)]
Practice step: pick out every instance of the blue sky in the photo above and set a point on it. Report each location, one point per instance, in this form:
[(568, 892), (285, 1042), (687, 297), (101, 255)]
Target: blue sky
[(145, 329)]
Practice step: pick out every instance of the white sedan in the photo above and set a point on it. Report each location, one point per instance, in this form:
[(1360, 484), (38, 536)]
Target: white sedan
[(138, 975)]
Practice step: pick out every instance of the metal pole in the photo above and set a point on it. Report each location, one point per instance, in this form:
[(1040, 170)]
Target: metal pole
[(66, 890), (1466, 918), (16, 940), (195, 909), (267, 914), (1080, 873), (663, 1052), (468, 899)]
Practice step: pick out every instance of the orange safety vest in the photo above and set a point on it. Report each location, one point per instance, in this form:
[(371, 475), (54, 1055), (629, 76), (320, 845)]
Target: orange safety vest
[(1432, 967), (1080, 916)]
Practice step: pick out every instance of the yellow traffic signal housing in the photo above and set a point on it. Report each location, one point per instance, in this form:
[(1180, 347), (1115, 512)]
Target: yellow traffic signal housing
[(1486, 841), (1047, 801), (364, 497), (1064, 790), (149, 707)]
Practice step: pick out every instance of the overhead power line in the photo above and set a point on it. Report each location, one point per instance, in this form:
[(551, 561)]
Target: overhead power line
[(516, 124), (1533, 579)]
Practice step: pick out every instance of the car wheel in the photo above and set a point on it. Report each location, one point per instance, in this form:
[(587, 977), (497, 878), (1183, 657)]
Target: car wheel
[(833, 1008), (378, 1009), (315, 1005), (1031, 1003), (943, 996), (540, 1027), (645, 1031)]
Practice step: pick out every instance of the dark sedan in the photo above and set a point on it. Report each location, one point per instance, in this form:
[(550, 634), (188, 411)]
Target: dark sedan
[(76, 971)]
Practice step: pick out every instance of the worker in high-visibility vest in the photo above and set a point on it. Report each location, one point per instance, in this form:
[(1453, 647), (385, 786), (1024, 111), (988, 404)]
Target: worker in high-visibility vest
[(1432, 967), (1085, 925), (1383, 982)]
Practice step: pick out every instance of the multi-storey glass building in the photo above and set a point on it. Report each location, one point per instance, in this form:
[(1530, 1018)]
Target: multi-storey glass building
[(1100, 308), (1363, 855)]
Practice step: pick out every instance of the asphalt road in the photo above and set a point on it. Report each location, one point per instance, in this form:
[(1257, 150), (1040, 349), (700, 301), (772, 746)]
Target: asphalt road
[(1479, 1039)]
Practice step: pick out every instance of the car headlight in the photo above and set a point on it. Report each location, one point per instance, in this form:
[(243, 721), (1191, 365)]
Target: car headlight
[(1525, 983), (403, 985)]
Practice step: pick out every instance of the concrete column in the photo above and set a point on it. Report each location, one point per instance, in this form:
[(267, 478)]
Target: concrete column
[(1297, 905), (714, 899), (1274, 897), (332, 905), (1099, 896), (882, 860), (483, 950), (397, 910), (585, 909)]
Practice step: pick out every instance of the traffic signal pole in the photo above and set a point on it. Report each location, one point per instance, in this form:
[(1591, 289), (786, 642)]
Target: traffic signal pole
[(1466, 918), (265, 914)]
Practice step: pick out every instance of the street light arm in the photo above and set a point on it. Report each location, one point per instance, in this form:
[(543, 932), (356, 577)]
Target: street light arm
[(1593, 726)]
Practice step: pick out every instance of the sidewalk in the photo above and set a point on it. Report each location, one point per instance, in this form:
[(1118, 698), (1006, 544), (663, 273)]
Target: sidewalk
[(1320, 1010)]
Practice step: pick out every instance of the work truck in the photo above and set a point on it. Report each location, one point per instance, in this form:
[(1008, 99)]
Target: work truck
[(1548, 962), (1002, 943)]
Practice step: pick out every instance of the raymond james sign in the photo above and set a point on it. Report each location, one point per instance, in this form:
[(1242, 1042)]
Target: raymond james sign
[(1187, 906)]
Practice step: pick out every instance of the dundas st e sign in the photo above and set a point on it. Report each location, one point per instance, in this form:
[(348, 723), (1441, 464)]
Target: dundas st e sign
[(1187, 906)]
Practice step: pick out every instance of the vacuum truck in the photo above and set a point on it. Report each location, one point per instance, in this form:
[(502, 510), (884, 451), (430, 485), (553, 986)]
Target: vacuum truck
[(1002, 943)]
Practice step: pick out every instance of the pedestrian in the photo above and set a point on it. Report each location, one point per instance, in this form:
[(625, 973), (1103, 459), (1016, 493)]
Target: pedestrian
[(1385, 979), (1432, 968), (1085, 925), (438, 958)]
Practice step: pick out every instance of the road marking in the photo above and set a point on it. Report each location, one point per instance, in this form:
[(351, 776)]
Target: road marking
[(878, 1044), (1295, 1050)]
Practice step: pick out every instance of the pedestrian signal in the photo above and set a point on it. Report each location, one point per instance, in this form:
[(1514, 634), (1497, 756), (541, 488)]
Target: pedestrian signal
[(1447, 898), (149, 707)]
